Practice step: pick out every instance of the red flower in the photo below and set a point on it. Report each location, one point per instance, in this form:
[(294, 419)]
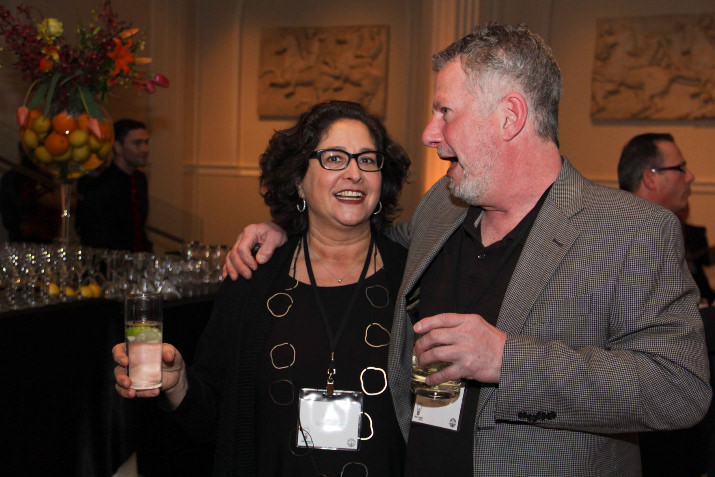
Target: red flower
[(161, 80), (21, 115)]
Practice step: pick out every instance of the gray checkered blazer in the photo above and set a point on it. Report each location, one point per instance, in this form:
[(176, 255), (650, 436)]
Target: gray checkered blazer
[(604, 336)]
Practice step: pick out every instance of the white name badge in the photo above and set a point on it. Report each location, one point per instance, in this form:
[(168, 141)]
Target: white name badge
[(329, 422), (438, 412)]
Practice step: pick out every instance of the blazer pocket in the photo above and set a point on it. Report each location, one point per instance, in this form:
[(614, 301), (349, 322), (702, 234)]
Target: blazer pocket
[(565, 319)]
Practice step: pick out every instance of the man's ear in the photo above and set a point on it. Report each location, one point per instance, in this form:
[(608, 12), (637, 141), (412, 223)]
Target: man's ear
[(648, 180), (515, 109)]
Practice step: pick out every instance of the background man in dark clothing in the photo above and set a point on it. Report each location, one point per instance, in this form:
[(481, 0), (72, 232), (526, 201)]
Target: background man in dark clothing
[(114, 206), (30, 209), (651, 166)]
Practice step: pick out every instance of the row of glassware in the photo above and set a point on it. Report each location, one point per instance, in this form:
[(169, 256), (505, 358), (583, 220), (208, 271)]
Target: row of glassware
[(42, 274)]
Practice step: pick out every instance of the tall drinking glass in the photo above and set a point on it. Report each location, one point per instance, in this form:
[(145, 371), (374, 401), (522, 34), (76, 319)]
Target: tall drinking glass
[(143, 325)]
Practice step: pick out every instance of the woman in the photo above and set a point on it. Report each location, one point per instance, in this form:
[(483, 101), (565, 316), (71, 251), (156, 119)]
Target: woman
[(294, 354)]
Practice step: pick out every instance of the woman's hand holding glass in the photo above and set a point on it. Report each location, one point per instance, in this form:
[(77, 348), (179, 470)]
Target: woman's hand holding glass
[(173, 382)]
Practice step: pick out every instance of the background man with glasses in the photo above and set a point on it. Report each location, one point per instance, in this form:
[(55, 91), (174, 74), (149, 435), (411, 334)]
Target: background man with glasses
[(652, 166)]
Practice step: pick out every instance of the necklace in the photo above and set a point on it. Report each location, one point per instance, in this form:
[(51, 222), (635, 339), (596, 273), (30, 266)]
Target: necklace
[(339, 279)]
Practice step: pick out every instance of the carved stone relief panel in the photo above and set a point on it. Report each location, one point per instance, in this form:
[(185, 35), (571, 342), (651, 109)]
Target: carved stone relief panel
[(655, 67), (303, 66)]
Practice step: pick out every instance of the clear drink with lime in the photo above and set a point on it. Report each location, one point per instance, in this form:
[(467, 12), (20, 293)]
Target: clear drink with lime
[(143, 330), (144, 351)]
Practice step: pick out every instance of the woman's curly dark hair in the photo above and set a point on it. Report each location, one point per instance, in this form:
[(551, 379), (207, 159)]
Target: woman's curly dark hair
[(285, 163)]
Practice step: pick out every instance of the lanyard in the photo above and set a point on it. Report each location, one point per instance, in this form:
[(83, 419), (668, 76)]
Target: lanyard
[(333, 339), (487, 283)]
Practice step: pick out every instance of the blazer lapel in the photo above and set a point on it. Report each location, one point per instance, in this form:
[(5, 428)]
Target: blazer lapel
[(549, 240)]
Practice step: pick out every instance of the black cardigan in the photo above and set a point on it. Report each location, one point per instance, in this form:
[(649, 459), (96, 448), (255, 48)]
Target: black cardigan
[(220, 401)]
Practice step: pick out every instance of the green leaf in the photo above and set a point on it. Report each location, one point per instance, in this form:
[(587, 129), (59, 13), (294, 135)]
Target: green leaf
[(90, 104), (50, 93), (38, 97)]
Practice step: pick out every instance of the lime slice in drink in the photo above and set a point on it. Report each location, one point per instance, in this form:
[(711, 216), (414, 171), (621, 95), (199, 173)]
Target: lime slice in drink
[(133, 331), (149, 335)]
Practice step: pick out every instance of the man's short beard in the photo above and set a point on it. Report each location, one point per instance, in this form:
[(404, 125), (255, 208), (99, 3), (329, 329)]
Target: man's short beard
[(470, 190)]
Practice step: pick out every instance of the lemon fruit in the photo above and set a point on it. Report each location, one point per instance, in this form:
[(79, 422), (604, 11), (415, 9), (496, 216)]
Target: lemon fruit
[(96, 290), (78, 137), (42, 155), (30, 139), (41, 124), (86, 291), (81, 153), (53, 289)]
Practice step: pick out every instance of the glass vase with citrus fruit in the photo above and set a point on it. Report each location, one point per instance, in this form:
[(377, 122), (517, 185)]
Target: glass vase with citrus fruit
[(67, 143)]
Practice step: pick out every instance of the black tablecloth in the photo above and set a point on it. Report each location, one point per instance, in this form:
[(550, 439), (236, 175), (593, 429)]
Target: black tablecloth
[(59, 412)]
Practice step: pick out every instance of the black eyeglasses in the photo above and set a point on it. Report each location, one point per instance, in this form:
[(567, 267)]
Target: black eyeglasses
[(337, 159), (680, 167)]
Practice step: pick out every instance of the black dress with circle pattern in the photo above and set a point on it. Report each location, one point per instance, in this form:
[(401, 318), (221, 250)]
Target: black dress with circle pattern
[(296, 356)]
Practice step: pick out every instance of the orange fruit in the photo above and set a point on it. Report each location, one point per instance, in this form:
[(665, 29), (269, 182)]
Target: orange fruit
[(82, 121), (34, 113), (64, 123), (57, 144), (92, 163), (108, 131)]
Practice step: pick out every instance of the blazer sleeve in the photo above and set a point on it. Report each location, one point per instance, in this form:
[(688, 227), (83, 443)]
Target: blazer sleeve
[(628, 356)]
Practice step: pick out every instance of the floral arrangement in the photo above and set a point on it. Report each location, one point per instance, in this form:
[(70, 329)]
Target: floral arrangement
[(69, 82)]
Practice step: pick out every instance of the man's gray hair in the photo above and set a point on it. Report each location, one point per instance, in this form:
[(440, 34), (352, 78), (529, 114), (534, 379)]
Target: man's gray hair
[(495, 53)]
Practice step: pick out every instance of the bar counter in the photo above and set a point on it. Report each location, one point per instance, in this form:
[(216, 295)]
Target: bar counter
[(59, 412)]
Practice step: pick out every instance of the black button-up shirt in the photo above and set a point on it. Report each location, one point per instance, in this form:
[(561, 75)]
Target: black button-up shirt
[(465, 277)]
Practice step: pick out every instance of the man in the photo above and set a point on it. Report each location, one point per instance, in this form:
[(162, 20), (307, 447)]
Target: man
[(576, 322), (652, 166), (30, 207), (115, 205)]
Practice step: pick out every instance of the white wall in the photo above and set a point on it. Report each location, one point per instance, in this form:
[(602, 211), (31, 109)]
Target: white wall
[(594, 147), (206, 135)]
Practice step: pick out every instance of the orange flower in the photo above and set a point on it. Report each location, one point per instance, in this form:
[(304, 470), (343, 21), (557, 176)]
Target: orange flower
[(129, 32), (122, 56), (46, 64)]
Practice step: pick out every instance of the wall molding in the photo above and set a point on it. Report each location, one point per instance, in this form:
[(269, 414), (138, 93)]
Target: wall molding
[(698, 187), (222, 170)]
